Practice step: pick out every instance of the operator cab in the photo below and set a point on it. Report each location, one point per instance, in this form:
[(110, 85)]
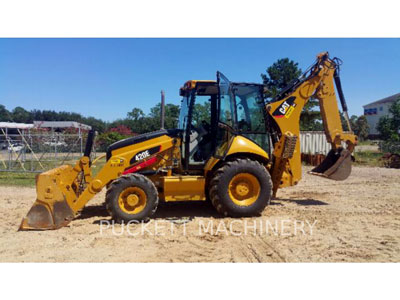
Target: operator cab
[(213, 112)]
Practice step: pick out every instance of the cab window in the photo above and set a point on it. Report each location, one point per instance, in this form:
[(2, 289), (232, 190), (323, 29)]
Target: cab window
[(183, 115), (249, 109)]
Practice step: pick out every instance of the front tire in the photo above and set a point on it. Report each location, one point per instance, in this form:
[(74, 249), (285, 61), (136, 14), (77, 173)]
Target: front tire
[(131, 197), (241, 188)]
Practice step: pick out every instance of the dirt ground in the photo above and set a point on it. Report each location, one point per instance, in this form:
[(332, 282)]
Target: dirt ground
[(357, 220)]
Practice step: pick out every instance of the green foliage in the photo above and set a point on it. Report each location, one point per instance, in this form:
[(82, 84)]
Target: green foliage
[(201, 112), (107, 138), (384, 127), (136, 120), (21, 115), (280, 75), (310, 120), (4, 114), (361, 128), (136, 114), (389, 126), (359, 125), (390, 146), (171, 115), (368, 158)]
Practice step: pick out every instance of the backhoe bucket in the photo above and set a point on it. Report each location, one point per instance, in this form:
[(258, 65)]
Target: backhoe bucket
[(336, 165), (51, 209)]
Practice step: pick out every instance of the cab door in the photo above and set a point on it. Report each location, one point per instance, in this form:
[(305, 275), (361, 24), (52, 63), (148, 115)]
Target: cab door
[(226, 116)]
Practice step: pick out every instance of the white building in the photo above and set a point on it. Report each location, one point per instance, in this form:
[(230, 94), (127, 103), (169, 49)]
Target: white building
[(375, 110)]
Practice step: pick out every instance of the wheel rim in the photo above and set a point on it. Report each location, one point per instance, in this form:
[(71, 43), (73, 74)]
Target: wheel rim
[(244, 189), (132, 200)]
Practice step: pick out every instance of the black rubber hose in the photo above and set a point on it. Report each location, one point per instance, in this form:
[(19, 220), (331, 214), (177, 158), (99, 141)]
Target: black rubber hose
[(89, 143), (340, 90)]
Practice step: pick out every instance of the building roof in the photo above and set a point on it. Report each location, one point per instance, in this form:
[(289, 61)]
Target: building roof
[(45, 124), (384, 100), (12, 125), (61, 124)]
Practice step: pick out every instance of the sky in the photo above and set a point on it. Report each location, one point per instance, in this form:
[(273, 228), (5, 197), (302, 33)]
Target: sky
[(106, 78)]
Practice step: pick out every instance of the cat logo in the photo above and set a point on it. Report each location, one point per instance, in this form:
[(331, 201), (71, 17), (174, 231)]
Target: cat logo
[(285, 109), (117, 162)]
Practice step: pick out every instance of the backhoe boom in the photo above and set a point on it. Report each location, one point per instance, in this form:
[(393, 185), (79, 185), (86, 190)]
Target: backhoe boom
[(285, 110)]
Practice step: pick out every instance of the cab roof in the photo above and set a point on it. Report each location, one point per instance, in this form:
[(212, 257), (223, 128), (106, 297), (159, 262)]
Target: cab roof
[(191, 84)]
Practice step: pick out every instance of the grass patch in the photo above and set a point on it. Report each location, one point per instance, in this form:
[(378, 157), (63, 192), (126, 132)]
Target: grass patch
[(17, 179), (98, 166), (368, 158), (368, 143), (28, 179)]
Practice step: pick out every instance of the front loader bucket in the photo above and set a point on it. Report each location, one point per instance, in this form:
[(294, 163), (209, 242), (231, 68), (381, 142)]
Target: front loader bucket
[(336, 165), (51, 209)]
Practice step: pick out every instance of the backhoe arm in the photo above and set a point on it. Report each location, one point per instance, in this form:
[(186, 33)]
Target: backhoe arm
[(285, 110)]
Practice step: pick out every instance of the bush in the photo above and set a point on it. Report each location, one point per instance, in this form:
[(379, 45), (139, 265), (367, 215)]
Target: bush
[(106, 139), (390, 146), (389, 126)]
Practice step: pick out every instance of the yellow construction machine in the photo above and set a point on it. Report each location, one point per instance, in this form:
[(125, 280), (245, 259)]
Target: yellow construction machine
[(232, 146)]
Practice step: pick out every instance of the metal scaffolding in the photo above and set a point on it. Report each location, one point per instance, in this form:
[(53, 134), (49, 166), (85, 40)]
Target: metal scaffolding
[(40, 146)]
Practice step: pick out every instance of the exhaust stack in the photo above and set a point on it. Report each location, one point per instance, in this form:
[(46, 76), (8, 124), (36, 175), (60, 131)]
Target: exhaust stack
[(162, 109)]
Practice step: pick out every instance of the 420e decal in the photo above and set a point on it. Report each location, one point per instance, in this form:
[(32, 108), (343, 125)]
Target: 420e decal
[(144, 154), (285, 109)]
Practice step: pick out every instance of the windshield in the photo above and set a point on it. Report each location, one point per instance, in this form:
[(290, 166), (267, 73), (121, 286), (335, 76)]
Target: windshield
[(183, 116)]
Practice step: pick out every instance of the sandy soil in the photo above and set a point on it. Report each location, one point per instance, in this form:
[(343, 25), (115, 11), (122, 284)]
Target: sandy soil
[(357, 220)]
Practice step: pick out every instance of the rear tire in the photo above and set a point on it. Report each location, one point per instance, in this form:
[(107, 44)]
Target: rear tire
[(131, 197), (241, 188)]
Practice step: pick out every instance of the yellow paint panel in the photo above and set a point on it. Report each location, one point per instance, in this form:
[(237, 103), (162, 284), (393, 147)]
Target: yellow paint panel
[(183, 188), (242, 145)]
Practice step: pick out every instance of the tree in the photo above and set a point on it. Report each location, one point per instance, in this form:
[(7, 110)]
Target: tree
[(361, 128), (107, 138), (384, 127), (389, 126), (96, 124), (135, 114), (136, 120), (353, 120), (171, 116), (5, 115), (395, 111), (201, 112), (281, 74), (20, 115), (359, 125)]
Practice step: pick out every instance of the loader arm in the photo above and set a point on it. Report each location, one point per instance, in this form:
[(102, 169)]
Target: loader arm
[(62, 192), (284, 111)]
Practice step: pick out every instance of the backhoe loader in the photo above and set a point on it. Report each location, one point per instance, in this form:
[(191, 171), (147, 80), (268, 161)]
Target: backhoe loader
[(233, 146)]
